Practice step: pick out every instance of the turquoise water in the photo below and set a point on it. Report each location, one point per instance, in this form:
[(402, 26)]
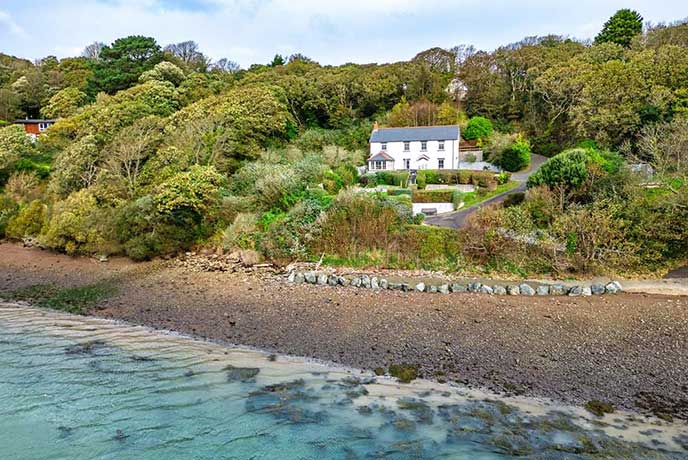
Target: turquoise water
[(83, 388)]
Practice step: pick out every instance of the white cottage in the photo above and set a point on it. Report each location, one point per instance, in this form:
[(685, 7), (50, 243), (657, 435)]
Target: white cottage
[(420, 147)]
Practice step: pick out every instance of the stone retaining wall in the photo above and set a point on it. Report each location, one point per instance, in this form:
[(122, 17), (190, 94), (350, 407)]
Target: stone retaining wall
[(378, 283)]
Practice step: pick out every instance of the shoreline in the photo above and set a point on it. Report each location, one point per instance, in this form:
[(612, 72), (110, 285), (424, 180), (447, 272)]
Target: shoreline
[(630, 350), (621, 424)]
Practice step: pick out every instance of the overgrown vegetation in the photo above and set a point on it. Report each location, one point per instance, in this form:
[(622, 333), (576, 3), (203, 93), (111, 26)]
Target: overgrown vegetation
[(77, 300), (159, 150)]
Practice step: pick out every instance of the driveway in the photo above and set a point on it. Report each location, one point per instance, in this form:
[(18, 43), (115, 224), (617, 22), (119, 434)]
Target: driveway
[(457, 219)]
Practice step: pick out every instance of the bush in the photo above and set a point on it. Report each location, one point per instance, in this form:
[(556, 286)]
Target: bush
[(421, 181), (477, 128), (397, 178), (22, 187), (8, 209), (433, 196), (517, 156), (29, 221), (400, 192), (242, 233), (514, 199), (72, 226), (457, 198)]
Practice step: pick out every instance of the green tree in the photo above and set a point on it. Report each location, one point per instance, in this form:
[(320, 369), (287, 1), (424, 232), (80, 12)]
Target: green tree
[(477, 128), (120, 65), (64, 104), (14, 144), (516, 156), (165, 71), (277, 61), (621, 28)]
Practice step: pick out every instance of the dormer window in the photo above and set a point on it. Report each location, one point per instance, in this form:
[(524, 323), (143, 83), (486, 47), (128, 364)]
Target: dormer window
[(424, 146), (43, 126), (407, 146), (384, 146), (440, 146)]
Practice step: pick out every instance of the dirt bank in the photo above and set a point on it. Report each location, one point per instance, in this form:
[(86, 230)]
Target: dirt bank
[(630, 349)]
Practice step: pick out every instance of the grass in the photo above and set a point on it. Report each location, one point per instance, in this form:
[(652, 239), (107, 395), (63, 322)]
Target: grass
[(472, 198), (77, 300)]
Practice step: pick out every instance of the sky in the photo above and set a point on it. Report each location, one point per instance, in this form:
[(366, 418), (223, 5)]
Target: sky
[(328, 31)]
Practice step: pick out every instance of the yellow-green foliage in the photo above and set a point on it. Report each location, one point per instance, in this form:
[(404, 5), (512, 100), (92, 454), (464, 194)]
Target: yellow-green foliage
[(13, 145), (76, 166), (64, 103), (104, 118), (194, 193), (29, 221), (73, 225), (242, 233)]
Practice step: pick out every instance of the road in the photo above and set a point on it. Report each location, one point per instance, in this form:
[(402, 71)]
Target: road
[(458, 219)]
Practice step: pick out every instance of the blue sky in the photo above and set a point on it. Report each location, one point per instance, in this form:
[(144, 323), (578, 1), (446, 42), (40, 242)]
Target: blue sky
[(329, 31)]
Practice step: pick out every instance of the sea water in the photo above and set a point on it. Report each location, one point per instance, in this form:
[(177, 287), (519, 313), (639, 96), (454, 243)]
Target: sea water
[(85, 388)]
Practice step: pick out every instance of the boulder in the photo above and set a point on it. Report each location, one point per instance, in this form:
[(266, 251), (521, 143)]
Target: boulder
[(374, 283), (575, 291), (291, 277), (499, 290), (365, 281), (513, 290), (586, 291), (485, 289), (542, 290), (311, 278), (394, 286), (343, 281), (443, 289), (458, 287), (597, 289), (356, 281), (557, 289), (420, 287), (384, 284), (333, 280), (432, 289), (474, 287), (248, 257), (322, 279), (613, 288), (526, 289), (299, 278), (406, 287)]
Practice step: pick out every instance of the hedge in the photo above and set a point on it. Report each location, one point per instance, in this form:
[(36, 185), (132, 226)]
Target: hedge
[(457, 176), (398, 178), (433, 196)]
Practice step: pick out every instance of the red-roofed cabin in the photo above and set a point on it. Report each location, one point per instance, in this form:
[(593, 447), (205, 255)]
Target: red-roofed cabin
[(35, 127)]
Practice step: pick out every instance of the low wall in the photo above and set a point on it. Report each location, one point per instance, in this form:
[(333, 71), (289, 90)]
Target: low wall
[(524, 289), (442, 208)]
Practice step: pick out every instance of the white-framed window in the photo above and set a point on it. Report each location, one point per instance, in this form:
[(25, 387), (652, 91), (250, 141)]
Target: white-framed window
[(384, 146), (440, 163), (423, 146), (43, 126), (407, 163), (379, 165), (407, 146), (440, 146)]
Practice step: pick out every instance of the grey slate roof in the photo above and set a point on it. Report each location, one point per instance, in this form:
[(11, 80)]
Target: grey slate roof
[(429, 133), (382, 156)]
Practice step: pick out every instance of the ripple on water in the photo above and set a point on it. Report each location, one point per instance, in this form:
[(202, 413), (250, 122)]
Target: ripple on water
[(76, 387)]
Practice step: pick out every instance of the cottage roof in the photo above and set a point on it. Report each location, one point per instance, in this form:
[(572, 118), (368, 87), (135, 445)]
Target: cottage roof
[(31, 122), (382, 156), (416, 133)]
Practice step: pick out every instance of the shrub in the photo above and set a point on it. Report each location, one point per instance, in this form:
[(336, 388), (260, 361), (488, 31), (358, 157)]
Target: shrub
[(8, 209), (457, 198), (477, 128), (242, 233), (397, 178), (399, 192), (421, 180), (22, 187), (514, 199), (14, 144), (517, 156), (72, 226), (433, 196), (29, 221)]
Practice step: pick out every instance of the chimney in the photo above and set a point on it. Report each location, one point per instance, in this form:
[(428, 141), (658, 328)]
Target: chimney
[(376, 126)]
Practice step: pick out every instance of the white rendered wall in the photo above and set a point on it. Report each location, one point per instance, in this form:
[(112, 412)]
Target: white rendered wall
[(441, 207), (396, 151)]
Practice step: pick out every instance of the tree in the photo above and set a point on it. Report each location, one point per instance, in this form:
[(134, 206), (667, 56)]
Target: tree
[(665, 147), (278, 60), (64, 104), (621, 28), (122, 63), (225, 65), (189, 53), (477, 128), (165, 71), (14, 144), (93, 50)]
